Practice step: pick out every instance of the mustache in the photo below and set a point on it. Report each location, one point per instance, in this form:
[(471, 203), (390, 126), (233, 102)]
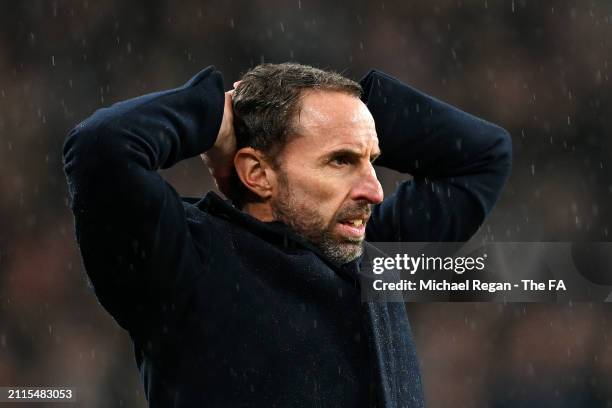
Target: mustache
[(361, 210)]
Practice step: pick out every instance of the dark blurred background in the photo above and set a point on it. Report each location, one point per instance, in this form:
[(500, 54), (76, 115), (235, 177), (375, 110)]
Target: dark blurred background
[(538, 68)]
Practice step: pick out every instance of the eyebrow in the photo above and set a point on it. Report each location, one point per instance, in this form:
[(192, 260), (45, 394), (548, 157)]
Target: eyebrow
[(347, 151)]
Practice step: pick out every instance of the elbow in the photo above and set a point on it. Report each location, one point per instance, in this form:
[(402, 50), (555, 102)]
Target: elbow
[(76, 145), (504, 142), (504, 152), (493, 178), (87, 155), (499, 155), (80, 158), (500, 169), (88, 152), (76, 141), (87, 145), (78, 148)]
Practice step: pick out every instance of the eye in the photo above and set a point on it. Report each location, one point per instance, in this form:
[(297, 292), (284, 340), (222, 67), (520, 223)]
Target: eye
[(341, 160)]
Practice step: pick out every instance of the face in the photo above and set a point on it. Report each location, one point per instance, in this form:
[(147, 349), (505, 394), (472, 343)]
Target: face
[(326, 184)]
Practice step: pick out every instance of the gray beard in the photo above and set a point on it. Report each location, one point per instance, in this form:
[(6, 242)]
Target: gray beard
[(307, 223)]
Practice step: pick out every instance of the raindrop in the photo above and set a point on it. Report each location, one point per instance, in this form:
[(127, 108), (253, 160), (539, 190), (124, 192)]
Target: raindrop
[(533, 169), (53, 60)]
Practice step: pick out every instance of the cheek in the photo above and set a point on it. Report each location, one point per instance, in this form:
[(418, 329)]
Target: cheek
[(322, 194)]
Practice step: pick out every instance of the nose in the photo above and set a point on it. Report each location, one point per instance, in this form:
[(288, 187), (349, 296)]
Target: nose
[(367, 187)]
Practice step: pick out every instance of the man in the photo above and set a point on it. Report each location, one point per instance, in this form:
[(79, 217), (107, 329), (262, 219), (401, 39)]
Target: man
[(258, 303)]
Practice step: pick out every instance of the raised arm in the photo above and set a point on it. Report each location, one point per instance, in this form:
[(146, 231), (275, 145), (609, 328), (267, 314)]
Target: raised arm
[(130, 224), (459, 164)]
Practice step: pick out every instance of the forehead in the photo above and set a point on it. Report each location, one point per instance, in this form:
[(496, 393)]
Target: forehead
[(328, 119)]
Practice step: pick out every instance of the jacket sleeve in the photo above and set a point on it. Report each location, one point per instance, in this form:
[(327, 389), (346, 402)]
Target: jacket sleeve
[(130, 224), (459, 165)]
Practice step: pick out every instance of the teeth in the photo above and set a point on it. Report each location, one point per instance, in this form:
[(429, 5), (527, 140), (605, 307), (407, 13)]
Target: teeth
[(357, 223)]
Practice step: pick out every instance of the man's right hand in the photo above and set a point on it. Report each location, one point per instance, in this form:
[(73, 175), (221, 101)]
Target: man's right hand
[(220, 158)]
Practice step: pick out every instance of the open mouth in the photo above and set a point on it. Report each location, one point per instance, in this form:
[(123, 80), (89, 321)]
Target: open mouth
[(353, 227), (357, 222)]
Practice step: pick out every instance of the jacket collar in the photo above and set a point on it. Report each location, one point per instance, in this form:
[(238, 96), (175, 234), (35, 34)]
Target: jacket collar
[(275, 232)]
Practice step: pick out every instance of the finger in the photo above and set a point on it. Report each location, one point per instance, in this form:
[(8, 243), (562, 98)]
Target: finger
[(237, 83)]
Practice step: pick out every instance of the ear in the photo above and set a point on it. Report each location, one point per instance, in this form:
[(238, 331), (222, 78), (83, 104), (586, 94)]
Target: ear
[(255, 172)]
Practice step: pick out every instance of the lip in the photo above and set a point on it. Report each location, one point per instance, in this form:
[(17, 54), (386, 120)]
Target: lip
[(351, 231)]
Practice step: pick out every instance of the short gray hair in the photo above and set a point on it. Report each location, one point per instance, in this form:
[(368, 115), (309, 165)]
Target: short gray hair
[(266, 102)]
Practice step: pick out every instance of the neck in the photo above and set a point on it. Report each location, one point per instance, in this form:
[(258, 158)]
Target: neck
[(260, 211)]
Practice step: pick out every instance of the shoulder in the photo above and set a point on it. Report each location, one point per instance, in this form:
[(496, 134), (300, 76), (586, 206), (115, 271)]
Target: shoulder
[(204, 226)]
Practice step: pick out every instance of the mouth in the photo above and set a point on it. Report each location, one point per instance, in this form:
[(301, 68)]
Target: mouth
[(353, 228)]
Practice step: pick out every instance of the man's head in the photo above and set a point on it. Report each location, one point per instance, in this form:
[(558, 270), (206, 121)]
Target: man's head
[(305, 145)]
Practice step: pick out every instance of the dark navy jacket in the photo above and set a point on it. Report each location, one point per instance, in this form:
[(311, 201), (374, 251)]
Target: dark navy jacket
[(227, 311)]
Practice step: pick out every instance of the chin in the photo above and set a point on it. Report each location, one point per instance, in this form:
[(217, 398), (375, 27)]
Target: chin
[(343, 252)]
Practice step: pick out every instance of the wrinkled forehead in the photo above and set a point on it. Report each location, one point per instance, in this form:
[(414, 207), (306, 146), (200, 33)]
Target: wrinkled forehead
[(326, 117)]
